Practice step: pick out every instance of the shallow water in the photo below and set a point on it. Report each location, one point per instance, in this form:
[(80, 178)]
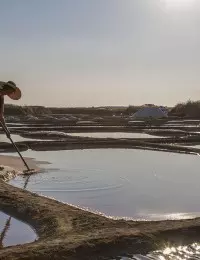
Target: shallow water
[(122, 183), (115, 135), (17, 138), (14, 232), (196, 146), (190, 252), (192, 146)]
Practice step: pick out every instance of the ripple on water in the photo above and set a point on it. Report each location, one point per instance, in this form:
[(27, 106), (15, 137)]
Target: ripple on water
[(121, 182), (49, 182)]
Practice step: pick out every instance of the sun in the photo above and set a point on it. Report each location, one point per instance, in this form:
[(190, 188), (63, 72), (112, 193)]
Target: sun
[(179, 3)]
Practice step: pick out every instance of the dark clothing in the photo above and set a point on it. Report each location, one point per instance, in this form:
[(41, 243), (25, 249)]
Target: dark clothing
[(1, 106)]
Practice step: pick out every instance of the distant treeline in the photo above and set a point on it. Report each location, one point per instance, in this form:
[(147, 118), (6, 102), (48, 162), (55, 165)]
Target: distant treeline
[(13, 110), (187, 109)]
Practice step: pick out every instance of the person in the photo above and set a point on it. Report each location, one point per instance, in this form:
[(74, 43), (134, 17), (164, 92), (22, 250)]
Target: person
[(11, 90)]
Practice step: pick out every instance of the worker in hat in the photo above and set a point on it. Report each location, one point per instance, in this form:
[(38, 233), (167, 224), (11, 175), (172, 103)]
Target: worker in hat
[(8, 89)]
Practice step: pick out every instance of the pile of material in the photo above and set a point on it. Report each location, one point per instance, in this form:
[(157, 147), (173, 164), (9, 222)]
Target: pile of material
[(8, 173)]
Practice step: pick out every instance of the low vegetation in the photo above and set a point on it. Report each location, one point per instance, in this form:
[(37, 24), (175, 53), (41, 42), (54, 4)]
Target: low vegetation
[(187, 109), (13, 110)]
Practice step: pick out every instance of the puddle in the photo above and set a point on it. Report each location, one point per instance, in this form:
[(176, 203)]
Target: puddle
[(121, 183), (14, 232)]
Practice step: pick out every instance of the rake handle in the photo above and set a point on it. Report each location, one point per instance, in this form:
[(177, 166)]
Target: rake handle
[(7, 132)]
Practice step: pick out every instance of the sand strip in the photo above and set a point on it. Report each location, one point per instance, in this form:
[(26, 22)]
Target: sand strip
[(16, 163)]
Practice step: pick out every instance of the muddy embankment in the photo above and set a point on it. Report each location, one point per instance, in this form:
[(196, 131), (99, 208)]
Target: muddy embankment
[(54, 140), (97, 144), (55, 136), (106, 143), (66, 232), (103, 128)]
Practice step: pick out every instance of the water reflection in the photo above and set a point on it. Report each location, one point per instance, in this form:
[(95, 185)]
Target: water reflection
[(14, 232), (4, 231), (20, 233), (123, 183), (189, 252)]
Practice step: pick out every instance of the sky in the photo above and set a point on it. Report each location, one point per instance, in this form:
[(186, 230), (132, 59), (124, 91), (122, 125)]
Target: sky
[(101, 52)]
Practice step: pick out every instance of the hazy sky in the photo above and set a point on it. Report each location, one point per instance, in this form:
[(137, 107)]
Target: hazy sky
[(101, 52)]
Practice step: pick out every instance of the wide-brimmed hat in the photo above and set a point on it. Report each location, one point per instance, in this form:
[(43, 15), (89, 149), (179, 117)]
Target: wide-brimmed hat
[(10, 89)]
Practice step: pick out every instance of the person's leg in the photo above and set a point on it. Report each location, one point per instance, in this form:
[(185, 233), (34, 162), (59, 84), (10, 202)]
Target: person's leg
[(1, 107)]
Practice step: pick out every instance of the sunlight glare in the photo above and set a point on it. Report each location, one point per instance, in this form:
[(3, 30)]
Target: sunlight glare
[(178, 4)]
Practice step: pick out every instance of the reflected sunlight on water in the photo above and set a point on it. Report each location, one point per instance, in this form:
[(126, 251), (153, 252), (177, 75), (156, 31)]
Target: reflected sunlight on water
[(190, 252), (121, 183)]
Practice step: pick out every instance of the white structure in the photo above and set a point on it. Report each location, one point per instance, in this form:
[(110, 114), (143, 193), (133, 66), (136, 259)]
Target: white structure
[(150, 112), (164, 109)]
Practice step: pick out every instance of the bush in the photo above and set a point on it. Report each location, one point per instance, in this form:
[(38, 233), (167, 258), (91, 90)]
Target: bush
[(187, 109), (13, 110)]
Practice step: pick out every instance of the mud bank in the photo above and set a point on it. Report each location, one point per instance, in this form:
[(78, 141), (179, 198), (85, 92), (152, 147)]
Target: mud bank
[(66, 232), (8, 148), (169, 130), (162, 144), (56, 136), (98, 144)]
